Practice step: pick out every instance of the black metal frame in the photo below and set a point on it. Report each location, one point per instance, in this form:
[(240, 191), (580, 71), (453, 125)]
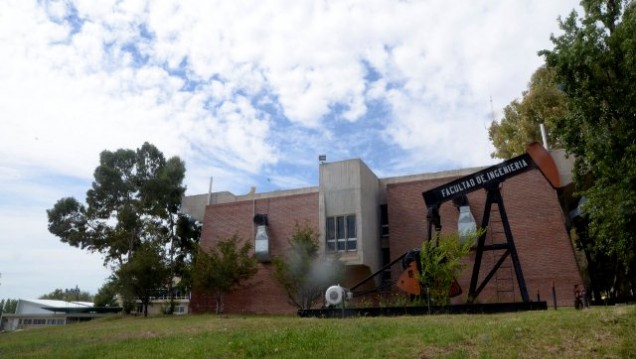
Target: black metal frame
[(488, 179), (484, 308), (509, 248)]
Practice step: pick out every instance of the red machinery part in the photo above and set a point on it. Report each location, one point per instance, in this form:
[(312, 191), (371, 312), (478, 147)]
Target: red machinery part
[(544, 162)]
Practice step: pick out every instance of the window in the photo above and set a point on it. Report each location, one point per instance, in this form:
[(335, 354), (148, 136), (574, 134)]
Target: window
[(341, 233)]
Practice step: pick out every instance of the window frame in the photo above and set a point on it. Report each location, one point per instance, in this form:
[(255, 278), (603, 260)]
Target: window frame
[(342, 233)]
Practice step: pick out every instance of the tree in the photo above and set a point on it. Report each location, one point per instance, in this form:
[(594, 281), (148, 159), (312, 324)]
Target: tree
[(224, 268), (8, 306), (107, 294), (543, 103), (182, 248), (132, 191), (594, 63), (441, 261), (134, 204), (144, 273), (303, 273), (69, 295)]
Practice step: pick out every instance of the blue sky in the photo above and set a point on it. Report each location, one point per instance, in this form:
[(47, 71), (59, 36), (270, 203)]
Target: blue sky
[(249, 93)]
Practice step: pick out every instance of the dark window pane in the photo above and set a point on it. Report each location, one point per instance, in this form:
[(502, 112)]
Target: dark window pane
[(331, 230), (351, 226), (331, 246), (340, 227), (386, 256), (342, 245), (351, 245), (384, 214)]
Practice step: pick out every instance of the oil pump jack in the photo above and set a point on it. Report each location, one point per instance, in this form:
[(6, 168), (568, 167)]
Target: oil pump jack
[(490, 180)]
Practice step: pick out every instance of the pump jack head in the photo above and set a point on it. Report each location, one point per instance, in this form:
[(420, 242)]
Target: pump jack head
[(544, 162)]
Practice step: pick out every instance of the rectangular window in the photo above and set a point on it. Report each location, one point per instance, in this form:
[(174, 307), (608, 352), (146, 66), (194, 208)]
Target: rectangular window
[(331, 234), (341, 233)]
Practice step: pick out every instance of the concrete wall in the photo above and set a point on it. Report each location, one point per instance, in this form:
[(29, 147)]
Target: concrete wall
[(369, 222), (565, 164), (350, 187)]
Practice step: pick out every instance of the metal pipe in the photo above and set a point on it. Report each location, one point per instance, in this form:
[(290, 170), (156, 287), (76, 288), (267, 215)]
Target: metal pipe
[(378, 272), (544, 137), (210, 191)]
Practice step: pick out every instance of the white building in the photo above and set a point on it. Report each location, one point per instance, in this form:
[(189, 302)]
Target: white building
[(36, 313)]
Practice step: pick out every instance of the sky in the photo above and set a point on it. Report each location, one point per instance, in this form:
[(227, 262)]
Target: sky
[(248, 93)]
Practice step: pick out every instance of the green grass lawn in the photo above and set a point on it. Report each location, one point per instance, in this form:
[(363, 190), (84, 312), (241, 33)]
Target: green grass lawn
[(603, 332)]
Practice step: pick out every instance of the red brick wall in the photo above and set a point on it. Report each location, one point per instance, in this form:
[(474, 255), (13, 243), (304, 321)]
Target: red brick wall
[(534, 215), (538, 229), (262, 294)]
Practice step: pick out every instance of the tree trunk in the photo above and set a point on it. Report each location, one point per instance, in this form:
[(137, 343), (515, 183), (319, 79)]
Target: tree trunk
[(145, 304), (219, 304)]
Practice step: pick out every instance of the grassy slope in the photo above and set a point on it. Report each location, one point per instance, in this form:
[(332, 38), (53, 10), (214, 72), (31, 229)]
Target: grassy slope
[(565, 333)]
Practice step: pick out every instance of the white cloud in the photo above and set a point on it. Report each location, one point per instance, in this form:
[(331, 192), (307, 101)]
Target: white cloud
[(34, 262)]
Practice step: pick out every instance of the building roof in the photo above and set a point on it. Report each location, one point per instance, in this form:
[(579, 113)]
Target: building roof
[(60, 304)]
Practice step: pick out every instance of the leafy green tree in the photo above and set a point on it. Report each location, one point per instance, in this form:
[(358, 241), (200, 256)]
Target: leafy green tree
[(184, 233), (543, 103), (594, 62), (441, 261), (224, 267), (107, 295), (144, 273), (303, 273), (132, 190), (69, 295), (8, 306), (134, 203)]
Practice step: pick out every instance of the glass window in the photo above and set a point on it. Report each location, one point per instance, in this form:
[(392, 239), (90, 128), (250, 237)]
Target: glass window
[(342, 245), (331, 234), (351, 226), (331, 228), (340, 227), (341, 233)]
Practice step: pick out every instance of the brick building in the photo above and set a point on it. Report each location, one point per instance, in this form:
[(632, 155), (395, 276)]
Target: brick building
[(371, 221)]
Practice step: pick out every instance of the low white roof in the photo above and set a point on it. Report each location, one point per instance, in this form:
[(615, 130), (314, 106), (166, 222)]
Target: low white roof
[(51, 303)]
